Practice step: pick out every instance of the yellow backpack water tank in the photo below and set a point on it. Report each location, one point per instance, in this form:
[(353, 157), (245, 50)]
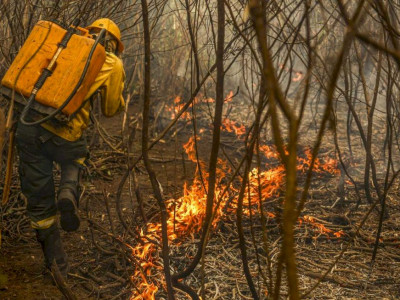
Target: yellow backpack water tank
[(35, 55)]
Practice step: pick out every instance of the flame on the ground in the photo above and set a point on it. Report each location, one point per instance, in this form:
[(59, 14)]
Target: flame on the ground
[(321, 228), (190, 148), (178, 104), (229, 97), (298, 75), (186, 214), (176, 108), (232, 126)]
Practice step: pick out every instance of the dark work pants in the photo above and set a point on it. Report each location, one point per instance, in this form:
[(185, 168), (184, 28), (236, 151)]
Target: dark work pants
[(38, 149)]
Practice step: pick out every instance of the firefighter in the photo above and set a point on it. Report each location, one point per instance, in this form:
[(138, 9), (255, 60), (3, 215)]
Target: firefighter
[(39, 146)]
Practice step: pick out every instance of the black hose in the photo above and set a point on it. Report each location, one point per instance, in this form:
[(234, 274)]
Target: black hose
[(58, 110)]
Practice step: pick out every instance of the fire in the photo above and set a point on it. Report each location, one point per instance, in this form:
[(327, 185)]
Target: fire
[(270, 180), (232, 126), (329, 165), (191, 149), (176, 108), (298, 75), (229, 97), (186, 214), (321, 228), (269, 152), (339, 233)]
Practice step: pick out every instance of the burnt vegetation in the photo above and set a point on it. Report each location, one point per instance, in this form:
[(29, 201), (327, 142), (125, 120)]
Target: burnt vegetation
[(257, 157)]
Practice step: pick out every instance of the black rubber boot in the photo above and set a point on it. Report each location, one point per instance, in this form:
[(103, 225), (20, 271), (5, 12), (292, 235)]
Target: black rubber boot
[(53, 249), (66, 205), (67, 200)]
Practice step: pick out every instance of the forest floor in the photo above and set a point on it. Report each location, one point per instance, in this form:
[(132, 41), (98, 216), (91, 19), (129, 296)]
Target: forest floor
[(98, 271)]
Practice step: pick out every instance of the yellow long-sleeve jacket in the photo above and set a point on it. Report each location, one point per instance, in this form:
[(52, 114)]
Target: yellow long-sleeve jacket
[(110, 83)]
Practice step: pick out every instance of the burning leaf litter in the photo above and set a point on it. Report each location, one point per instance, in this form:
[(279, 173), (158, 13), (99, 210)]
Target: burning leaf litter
[(186, 214)]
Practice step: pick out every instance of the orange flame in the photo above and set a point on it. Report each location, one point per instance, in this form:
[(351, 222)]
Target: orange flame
[(298, 74), (191, 149), (231, 126), (322, 229), (177, 108), (229, 97)]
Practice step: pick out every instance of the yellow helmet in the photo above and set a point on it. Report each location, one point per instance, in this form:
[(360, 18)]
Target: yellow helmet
[(111, 27)]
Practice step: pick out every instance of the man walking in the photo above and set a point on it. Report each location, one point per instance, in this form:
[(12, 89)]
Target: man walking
[(39, 146)]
